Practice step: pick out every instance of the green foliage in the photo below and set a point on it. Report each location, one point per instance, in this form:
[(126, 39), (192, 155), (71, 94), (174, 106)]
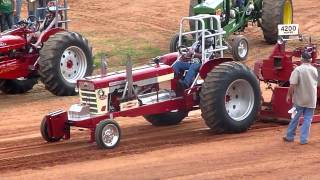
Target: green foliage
[(140, 53)]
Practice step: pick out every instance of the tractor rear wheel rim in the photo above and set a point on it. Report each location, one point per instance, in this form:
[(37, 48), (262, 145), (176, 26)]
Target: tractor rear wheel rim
[(73, 64), (110, 135), (287, 12), (243, 49), (239, 99)]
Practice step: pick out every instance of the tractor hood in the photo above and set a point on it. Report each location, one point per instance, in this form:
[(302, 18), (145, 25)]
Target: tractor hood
[(9, 42), (208, 7), (145, 74)]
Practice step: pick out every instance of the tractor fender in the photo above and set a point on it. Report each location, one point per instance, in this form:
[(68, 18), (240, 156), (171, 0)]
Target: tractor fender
[(169, 59), (209, 65), (44, 37)]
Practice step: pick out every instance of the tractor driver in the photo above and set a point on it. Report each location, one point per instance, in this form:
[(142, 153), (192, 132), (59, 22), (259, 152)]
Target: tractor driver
[(191, 61)]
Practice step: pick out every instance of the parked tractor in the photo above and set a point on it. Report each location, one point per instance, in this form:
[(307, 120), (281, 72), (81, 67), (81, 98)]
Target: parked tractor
[(226, 91), (44, 49), (236, 15)]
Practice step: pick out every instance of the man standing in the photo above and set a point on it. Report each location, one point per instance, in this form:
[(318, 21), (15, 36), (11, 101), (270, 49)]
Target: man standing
[(303, 92), (33, 6), (18, 13), (7, 9)]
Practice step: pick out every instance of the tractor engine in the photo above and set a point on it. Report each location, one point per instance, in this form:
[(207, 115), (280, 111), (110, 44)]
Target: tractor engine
[(111, 93), (10, 43)]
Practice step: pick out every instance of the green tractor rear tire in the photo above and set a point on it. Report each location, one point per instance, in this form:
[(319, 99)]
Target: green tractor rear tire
[(274, 13)]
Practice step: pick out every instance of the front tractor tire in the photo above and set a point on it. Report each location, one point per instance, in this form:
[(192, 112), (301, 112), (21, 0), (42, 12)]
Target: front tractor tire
[(107, 134), (240, 48), (230, 98), (274, 13), (166, 119), (17, 86), (65, 58)]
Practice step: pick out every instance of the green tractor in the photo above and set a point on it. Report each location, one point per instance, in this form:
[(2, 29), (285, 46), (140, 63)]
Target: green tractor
[(235, 16)]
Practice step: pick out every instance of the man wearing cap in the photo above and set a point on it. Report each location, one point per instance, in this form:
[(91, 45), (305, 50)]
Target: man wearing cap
[(303, 93)]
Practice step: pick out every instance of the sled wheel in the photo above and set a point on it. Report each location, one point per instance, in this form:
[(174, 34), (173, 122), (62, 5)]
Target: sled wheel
[(240, 48), (175, 41), (65, 58), (166, 119), (274, 13), (44, 132), (107, 134), (17, 86), (230, 98)]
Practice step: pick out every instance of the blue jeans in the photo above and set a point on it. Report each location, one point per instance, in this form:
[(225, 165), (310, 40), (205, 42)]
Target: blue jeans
[(18, 12), (192, 68), (6, 21), (305, 128)]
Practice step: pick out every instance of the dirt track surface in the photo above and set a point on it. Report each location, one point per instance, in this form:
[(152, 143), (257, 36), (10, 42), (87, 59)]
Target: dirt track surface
[(187, 151)]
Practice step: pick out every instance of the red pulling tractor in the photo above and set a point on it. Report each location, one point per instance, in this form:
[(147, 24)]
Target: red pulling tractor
[(43, 48), (226, 91)]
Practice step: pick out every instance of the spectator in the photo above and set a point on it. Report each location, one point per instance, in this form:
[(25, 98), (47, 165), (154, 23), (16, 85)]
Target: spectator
[(33, 5), (303, 92), (7, 9)]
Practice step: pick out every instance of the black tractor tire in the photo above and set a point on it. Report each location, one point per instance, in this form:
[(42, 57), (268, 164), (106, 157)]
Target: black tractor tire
[(166, 119), (230, 84), (192, 4), (272, 15), (99, 132), (52, 62), (44, 132), (175, 41), (238, 42), (17, 86)]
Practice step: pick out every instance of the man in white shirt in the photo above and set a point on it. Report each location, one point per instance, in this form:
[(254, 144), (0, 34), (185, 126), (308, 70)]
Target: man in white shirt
[(303, 92)]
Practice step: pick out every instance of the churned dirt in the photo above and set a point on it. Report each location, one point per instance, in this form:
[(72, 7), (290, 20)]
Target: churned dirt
[(186, 151)]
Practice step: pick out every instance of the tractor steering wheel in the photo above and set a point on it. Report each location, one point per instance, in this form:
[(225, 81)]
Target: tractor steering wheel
[(33, 23)]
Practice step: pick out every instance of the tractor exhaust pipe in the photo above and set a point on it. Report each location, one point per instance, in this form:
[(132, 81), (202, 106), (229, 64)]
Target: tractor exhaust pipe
[(129, 77), (104, 65)]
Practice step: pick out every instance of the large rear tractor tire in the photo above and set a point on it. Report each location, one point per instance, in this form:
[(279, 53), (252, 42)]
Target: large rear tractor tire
[(274, 13), (17, 86), (166, 119), (230, 98), (65, 58)]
